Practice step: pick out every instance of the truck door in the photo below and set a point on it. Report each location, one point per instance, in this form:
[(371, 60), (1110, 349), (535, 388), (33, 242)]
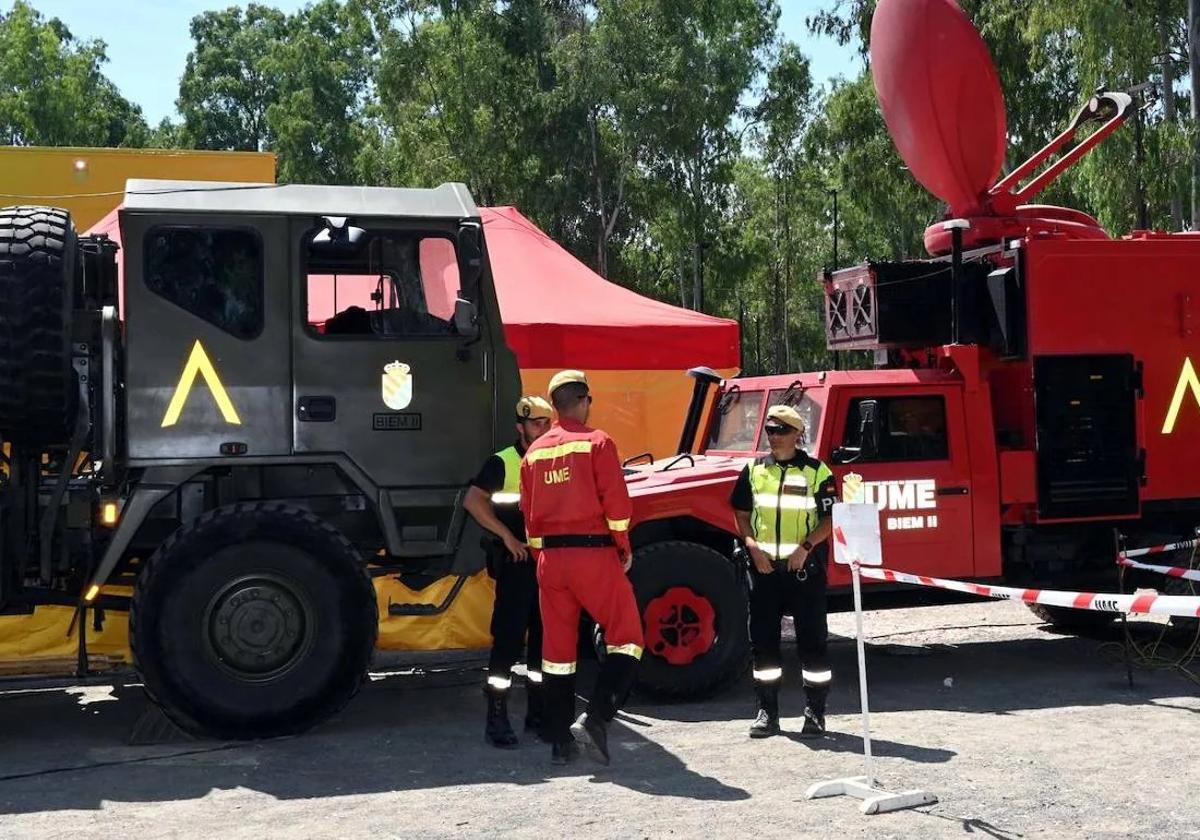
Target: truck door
[(382, 375), (912, 461), (206, 328), (1089, 462)]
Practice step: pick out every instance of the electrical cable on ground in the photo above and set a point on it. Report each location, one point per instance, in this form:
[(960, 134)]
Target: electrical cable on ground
[(1169, 649)]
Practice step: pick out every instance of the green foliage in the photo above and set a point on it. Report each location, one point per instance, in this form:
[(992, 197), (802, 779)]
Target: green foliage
[(680, 147), (52, 90)]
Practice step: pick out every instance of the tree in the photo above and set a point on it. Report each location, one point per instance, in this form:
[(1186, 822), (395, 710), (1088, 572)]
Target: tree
[(321, 70), (688, 65), (225, 89), (52, 89), (257, 79)]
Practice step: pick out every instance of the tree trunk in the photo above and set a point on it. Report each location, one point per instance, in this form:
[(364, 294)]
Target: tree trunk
[(780, 320), (1194, 62), (1168, 73), (602, 228), (787, 268)]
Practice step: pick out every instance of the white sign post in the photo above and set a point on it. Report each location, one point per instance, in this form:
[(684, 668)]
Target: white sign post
[(856, 542)]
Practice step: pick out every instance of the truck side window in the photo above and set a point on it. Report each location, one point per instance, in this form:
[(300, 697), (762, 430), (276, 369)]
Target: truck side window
[(214, 273), (735, 421), (912, 429), (394, 285)]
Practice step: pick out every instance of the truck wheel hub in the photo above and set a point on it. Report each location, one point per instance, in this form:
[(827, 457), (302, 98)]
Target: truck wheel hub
[(680, 625), (258, 627)]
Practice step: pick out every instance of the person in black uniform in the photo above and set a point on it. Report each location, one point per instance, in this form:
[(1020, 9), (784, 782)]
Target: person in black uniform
[(493, 500), (782, 503)]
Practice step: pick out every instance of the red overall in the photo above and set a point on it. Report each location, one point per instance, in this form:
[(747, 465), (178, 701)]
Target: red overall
[(572, 486)]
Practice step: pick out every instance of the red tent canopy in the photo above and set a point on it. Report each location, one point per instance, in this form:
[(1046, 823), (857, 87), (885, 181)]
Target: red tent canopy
[(559, 313)]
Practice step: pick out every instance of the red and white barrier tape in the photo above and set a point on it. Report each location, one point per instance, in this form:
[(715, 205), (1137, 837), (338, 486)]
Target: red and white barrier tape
[(1169, 571), (1159, 549), (1187, 606)]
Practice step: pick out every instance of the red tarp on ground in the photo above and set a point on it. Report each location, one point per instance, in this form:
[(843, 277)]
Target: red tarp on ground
[(559, 313)]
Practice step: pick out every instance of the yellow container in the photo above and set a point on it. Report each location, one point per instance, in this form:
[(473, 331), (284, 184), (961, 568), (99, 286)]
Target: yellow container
[(91, 182)]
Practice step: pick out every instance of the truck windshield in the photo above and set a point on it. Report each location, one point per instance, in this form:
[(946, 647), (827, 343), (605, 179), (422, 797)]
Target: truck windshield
[(809, 409), (735, 421)]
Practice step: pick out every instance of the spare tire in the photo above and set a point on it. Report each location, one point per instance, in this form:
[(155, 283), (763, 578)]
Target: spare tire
[(37, 286)]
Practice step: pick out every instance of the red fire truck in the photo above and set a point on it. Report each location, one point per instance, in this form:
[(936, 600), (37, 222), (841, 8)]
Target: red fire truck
[(1035, 388)]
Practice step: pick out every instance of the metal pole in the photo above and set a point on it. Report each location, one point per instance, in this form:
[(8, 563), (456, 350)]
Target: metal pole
[(862, 675)]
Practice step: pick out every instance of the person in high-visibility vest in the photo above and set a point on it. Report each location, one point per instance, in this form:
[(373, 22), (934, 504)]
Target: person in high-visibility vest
[(493, 499), (577, 512), (783, 503)]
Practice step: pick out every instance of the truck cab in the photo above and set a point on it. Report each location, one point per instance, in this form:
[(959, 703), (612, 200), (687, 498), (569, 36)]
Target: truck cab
[(903, 436)]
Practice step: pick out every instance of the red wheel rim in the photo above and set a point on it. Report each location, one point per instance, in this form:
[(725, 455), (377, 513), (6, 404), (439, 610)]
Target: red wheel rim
[(680, 625)]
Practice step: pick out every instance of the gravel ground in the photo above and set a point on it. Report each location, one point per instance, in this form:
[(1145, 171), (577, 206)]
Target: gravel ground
[(1019, 731)]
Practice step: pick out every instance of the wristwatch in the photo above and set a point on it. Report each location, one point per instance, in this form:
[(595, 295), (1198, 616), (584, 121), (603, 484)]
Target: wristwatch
[(806, 545)]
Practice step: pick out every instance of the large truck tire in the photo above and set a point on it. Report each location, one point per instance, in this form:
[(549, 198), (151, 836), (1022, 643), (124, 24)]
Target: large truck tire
[(1072, 620), (256, 620), (694, 616), (37, 287)]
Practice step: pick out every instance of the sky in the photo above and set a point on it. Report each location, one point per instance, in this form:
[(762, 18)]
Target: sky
[(148, 41)]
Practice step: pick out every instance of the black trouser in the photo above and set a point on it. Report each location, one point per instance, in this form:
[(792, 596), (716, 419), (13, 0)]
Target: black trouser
[(801, 595), (514, 614)]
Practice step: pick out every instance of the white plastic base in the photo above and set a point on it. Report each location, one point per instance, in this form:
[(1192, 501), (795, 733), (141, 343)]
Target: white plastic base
[(875, 801)]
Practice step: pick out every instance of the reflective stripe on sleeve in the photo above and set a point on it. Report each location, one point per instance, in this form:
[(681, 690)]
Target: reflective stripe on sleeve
[(628, 650), (618, 524), (768, 674), (817, 677), (501, 683), (506, 498), (534, 676), (552, 452), (557, 668)]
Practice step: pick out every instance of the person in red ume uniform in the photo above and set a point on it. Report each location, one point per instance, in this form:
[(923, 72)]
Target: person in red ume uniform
[(577, 513)]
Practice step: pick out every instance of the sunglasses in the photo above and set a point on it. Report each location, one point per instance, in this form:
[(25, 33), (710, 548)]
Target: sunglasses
[(778, 430)]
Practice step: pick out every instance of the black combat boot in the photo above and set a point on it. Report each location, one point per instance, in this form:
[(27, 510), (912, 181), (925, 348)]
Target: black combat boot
[(766, 722), (591, 732), (535, 709), (498, 732), (563, 752), (558, 712), (814, 711)]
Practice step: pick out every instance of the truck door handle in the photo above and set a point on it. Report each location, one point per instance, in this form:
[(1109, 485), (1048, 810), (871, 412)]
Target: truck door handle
[(953, 491), (316, 409)]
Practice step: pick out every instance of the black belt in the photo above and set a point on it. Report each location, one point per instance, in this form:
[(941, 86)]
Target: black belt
[(577, 541)]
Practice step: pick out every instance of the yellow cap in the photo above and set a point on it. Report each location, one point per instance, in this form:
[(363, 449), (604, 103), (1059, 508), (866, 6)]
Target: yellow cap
[(786, 415), (566, 377), (533, 408)]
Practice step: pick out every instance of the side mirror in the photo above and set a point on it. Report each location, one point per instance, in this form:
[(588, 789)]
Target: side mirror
[(870, 432), (845, 455), (470, 254), (337, 236), (466, 323)]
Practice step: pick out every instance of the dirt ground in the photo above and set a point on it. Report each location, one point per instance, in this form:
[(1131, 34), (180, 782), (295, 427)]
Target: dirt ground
[(1019, 731)]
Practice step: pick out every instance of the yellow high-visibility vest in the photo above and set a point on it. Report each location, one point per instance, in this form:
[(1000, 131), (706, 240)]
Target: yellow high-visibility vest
[(785, 504)]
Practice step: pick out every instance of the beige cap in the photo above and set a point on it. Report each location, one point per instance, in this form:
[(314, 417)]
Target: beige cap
[(786, 415), (533, 408), (566, 377)]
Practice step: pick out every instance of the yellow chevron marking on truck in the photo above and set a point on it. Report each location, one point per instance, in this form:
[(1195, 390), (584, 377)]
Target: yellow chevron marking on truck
[(198, 364), (1188, 381)]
